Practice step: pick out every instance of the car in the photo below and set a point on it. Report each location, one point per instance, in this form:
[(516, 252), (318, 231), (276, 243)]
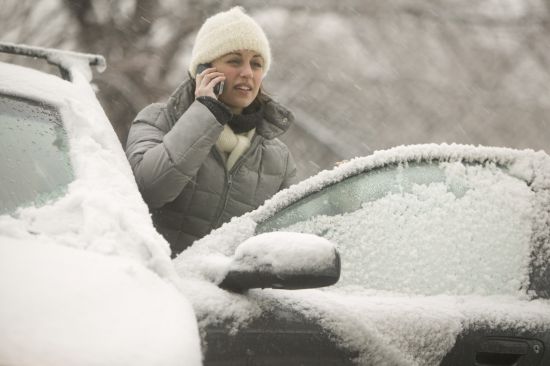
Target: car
[(84, 277), (445, 260)]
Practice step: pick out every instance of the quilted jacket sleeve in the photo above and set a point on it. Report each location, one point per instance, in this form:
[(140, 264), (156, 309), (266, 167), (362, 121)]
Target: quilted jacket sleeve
[(165, 155)]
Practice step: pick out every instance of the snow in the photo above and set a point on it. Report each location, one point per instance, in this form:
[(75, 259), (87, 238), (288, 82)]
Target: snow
[(426, 152), (87, 217), (99, 278), (403, 317), (284, 253), (72, 307), (433, 241), (396, 329)]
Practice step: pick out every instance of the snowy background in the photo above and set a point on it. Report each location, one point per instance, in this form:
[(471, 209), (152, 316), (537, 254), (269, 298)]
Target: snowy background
[(359, 75)]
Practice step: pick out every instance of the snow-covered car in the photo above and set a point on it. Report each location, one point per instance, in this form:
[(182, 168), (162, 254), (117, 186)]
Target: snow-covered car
[(445, 259), (84, 277)]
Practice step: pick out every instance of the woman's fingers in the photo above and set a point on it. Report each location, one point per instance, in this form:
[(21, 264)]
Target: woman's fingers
[(206, 81), (215, 81), (206, 75)]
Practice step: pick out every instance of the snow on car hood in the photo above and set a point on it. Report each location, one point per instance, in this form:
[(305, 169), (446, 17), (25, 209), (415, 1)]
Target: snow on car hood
[(102, 210), (385, 328), (64, 306)]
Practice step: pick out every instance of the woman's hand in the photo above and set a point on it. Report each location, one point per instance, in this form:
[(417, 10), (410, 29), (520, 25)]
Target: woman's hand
[(206, 81)]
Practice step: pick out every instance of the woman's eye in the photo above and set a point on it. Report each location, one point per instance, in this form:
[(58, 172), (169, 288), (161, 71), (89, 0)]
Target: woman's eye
[(257, 65), (234, 62)]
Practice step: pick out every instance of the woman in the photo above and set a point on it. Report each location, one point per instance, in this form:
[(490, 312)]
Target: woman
[(202, 158)]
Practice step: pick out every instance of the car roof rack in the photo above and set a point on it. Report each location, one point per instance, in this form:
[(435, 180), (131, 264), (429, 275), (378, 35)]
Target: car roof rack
[(64, 60)]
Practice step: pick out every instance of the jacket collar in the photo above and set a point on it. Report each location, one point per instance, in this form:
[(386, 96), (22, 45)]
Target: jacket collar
[(276, 119)]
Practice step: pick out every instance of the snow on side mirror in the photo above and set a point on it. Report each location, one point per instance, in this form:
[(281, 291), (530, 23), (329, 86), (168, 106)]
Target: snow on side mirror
[(283, 260)]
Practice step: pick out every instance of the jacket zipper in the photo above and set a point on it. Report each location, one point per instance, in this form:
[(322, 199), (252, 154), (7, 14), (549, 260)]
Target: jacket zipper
[(229, 177)]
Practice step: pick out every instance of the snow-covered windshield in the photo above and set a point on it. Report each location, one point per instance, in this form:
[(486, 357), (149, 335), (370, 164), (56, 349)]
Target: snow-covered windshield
[(425, 228), (34, 154)]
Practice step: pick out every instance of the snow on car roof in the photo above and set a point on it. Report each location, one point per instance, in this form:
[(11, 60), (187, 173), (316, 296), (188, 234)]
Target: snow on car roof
[(525, 161), (68, 62), (24, 81)]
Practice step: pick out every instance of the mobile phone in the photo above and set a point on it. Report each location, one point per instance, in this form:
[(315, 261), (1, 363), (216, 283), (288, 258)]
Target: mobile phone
[(218, 88)]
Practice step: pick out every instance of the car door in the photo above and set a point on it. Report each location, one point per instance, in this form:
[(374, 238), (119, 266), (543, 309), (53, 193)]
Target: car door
[(458, 223)]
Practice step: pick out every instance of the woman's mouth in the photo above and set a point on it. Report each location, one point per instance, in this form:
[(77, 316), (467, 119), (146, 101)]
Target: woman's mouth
[(243, 87)]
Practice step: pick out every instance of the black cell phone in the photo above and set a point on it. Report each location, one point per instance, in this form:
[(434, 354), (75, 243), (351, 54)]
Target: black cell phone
[(218, 88)]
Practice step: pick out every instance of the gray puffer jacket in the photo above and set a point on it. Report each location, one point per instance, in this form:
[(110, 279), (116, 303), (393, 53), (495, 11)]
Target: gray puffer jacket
[(183, 177)]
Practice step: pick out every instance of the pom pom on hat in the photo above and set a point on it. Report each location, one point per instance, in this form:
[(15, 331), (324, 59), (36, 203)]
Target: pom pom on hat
[(226, 32)]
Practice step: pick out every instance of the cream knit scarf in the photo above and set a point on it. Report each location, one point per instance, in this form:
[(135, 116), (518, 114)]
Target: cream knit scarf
[(233, 145)]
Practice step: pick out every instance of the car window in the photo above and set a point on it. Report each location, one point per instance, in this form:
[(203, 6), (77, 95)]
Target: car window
[(34, 162), (423, 228)]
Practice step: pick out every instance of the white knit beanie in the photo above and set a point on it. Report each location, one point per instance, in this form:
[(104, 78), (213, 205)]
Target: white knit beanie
[(226, 32)]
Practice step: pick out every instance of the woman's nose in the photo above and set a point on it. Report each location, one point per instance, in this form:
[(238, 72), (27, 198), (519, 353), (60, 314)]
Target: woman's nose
[(246, 71)]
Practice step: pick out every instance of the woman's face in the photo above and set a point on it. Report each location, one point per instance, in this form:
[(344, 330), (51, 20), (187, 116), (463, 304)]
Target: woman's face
[(243, 70)]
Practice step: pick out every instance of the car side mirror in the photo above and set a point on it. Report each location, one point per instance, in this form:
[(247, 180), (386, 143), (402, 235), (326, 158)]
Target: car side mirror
[(283, 260)]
